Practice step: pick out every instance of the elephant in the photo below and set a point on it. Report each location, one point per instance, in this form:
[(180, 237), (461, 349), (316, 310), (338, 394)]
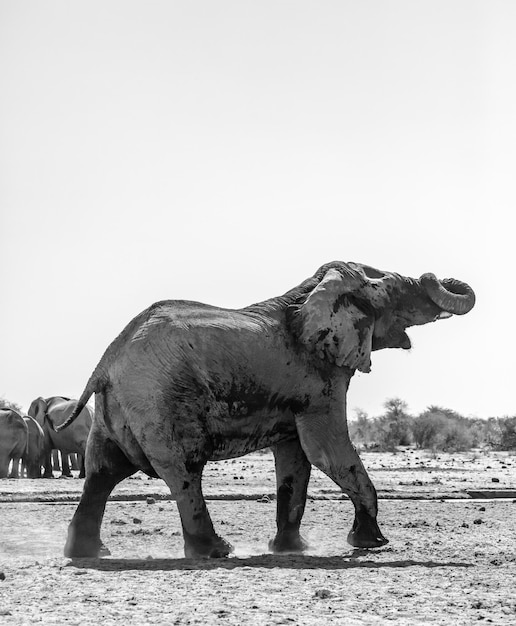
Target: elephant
[(50, 412), (34, 453), (66, 462), (13, 441), (185, 383)]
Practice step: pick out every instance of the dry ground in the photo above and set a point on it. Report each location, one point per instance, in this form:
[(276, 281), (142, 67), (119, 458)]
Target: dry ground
[(451, 559)]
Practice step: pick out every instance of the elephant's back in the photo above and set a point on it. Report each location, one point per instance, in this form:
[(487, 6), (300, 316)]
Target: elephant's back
[(14, 432)]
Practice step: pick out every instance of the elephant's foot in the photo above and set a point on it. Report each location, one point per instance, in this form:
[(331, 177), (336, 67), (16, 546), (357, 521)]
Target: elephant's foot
[(78, 546), (365, 532), (66, 476), (288, 542), (206, 547)]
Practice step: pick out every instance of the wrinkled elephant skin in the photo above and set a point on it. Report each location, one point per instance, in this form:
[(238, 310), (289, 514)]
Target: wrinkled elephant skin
[(186, 383)]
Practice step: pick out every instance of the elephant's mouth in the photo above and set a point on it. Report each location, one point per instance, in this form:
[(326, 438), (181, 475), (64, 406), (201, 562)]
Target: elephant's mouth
[(394, 339)]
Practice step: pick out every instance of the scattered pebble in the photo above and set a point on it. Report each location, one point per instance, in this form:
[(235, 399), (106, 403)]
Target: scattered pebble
[(478, 521), (151, 500), (2, 576), (465, 525), (322, 593), (495, 480), (137, 520), (482, 508), (265, 499)]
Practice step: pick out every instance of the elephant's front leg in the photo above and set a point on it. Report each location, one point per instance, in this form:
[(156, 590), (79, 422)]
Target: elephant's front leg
[(82, 466), (292, 476), (65, 464), (327, 445), (47, 465)]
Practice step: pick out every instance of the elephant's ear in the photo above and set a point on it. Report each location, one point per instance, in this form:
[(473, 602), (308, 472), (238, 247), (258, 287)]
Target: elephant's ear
[(333, 326), (37, 409)]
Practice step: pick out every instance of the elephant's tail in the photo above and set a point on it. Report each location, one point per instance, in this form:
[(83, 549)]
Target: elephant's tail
[(100, 377), (96, 382)]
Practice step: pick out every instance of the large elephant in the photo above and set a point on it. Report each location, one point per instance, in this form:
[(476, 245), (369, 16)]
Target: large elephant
[(34, 454), (13, 441), (49, 413), (185, 383)]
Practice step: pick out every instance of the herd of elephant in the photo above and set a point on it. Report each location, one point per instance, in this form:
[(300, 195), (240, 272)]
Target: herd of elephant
[(29, 443)]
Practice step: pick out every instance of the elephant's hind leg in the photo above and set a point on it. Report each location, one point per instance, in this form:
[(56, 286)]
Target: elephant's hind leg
[(106, 467), (184, 482), (292, 476)]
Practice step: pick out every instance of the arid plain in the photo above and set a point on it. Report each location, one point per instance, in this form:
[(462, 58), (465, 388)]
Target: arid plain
[(450, 519)]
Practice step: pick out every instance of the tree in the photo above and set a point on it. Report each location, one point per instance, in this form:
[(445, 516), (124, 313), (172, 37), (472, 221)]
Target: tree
[(4, 403), (428, 428), (394, 426), (361, 429)]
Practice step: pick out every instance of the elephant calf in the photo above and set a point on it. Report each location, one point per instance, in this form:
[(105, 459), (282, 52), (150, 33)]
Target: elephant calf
[(185, 383)]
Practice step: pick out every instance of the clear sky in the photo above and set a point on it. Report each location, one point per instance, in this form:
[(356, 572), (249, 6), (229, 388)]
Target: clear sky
[(223, 151)]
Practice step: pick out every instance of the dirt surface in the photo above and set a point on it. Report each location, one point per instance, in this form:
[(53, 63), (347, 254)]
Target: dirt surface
[(451, 559)]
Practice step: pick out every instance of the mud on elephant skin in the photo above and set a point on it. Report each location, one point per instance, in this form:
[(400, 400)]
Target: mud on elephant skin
[(185, 383), (50, 413)]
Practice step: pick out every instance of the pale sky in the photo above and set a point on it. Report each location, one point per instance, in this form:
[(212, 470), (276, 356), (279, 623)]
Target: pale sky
[(223, 151)]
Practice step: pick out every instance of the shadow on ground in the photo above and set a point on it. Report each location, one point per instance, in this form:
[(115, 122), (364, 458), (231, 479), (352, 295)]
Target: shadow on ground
[(267, 561)]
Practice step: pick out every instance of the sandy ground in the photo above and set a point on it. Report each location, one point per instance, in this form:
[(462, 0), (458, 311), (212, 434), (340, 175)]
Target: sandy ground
[(451, 559)]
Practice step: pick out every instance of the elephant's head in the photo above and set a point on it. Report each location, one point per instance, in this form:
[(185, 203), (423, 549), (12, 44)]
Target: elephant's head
[(38, 410), (353, 309)]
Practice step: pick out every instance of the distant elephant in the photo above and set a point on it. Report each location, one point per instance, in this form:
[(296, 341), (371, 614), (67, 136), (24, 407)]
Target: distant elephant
[(185, 383), (13, 441), (49, 413), (33, 457)]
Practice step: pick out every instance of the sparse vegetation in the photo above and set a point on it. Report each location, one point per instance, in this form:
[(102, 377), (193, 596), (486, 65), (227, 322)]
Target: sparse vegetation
[(437, 429)]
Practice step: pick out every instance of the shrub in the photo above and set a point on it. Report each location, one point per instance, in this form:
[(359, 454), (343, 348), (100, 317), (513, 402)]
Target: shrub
[(428, 428)]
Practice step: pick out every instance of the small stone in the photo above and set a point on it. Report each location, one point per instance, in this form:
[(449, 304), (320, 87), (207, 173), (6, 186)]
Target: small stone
[(151, 500), (322, 593), (495, 480), (478, 521), (482, 508), (465, 525), (2, 576), (137, 520)]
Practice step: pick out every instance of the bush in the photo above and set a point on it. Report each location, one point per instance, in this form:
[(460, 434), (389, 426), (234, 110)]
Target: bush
[(503, 433), (428, 428), (455, 438)]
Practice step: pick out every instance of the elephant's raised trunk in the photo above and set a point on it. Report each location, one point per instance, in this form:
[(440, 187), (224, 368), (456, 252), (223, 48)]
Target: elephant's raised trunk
[(452, 296)]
